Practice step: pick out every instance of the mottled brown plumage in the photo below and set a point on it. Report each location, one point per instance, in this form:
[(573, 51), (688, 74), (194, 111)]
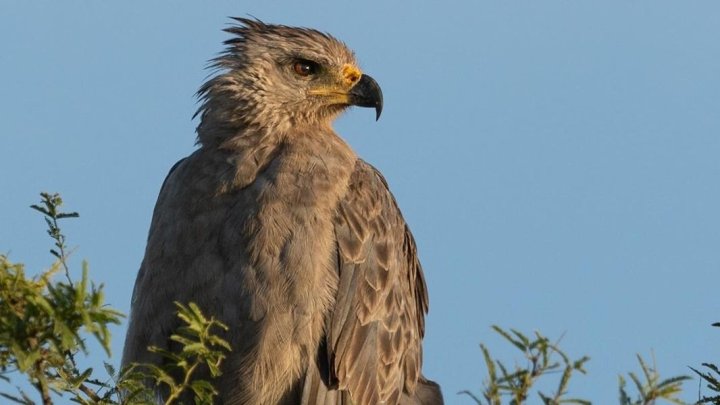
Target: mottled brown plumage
[(278, 229)]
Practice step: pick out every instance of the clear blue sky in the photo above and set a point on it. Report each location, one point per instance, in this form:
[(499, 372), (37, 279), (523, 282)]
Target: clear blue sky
[(558, 161)]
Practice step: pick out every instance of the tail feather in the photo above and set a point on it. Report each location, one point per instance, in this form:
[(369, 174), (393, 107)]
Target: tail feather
[(312, 390), (426, 393)]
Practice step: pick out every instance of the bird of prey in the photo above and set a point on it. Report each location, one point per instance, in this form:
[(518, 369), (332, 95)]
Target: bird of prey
[(275, 227)]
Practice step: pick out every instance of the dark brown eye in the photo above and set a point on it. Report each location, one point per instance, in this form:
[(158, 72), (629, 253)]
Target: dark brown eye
[(305, 68)]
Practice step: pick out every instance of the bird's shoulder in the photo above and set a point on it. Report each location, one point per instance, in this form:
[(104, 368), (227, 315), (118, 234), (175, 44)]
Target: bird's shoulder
[(368, 189)]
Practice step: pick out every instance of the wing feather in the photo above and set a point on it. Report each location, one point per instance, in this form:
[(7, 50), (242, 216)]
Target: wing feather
[(376, 328)]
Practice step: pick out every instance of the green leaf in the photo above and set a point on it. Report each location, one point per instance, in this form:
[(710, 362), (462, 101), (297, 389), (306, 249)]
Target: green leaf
[(509, 338)]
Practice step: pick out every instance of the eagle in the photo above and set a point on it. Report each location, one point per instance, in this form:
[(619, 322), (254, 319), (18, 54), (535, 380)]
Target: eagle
[(276, 227)]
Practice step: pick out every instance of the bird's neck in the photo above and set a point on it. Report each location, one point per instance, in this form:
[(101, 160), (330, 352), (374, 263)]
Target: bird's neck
[(250, 150)]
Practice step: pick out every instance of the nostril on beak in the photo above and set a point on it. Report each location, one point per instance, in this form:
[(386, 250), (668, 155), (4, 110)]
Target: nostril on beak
[(351, 74)]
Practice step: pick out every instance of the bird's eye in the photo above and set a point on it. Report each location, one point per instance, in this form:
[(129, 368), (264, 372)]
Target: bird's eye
[(305, 68)]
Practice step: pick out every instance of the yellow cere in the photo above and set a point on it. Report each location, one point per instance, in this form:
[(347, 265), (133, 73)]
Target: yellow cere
[(351, 74)]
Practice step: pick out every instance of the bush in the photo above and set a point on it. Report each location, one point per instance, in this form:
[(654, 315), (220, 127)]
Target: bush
[(43, 324)]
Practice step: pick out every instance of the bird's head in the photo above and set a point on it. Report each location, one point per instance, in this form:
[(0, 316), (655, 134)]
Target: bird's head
[(278, 77)]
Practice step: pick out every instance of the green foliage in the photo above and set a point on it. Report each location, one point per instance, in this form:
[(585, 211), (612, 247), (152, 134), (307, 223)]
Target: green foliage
[(652, 388), (200, 348), (541, 359), (711, 379), (42, 324), (50, 208)]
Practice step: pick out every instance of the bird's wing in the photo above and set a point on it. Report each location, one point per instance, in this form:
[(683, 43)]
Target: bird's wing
[(144, 303), (375, 331)]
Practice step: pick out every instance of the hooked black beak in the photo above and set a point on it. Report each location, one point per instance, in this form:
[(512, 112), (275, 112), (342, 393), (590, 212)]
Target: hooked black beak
[(367, 93)]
